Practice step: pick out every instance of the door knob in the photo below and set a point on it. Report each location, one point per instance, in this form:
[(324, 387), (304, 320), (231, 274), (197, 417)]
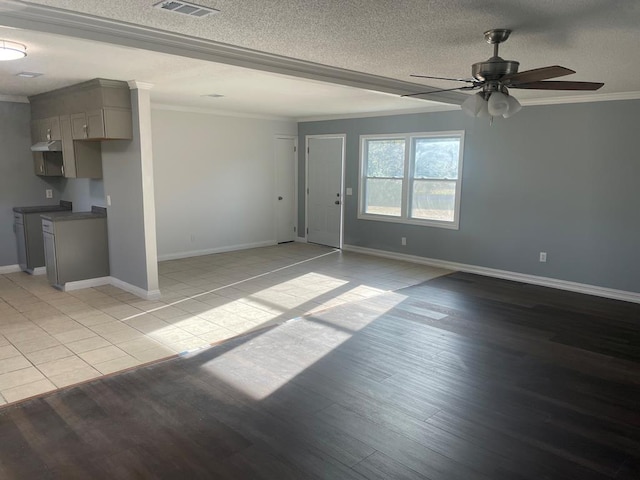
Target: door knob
[(279, 198), (337, 202)]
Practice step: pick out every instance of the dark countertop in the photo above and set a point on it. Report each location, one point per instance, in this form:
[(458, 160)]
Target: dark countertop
[(63, 207), (96, 212)]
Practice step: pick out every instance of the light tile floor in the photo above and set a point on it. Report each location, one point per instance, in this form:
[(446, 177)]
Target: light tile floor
[(51, 339)]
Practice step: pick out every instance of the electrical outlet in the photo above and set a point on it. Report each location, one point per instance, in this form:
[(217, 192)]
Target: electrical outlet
[(404, 240), (543, 257), (108, 200), (49, 193)]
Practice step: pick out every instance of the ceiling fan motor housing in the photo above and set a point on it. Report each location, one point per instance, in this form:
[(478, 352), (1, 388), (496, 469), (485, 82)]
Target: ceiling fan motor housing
[(493, 69)]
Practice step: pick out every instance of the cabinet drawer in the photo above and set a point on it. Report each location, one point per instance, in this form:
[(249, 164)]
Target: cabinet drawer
[(47, 226)]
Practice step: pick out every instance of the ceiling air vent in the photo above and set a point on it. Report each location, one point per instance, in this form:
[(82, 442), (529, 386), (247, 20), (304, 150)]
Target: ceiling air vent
[(186, 8)]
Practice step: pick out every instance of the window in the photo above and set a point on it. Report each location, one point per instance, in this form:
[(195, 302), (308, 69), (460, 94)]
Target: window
[(411, 178)]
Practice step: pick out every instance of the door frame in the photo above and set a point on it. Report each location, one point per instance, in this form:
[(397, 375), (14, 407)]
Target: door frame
[(295, 185), (343, 137)]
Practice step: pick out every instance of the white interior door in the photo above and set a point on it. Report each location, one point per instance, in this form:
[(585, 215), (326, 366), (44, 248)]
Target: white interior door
[(285, 189), (325, 159)]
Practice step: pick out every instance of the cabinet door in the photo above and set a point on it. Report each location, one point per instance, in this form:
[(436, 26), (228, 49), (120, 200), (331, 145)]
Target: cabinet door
[(50, 257), (50, 129), (38, 164), (68, 153), (79, 126), (95, 124)]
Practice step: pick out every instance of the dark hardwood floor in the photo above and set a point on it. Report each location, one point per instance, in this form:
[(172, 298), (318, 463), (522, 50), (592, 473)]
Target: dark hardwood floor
[(463, 377)]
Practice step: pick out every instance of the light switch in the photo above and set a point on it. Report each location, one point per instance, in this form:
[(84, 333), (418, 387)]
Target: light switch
[(349, 191)]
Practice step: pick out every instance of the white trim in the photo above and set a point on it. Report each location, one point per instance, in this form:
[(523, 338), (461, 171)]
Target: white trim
[(603, 97), (14, 98), (137, 85), (39, 271), (409, 166), (116, 282), (88, 283), (587, 289), (301, 239), (220, 113), (140, 292), (9, 269), (210, 251), (343, 137), (443, 107)]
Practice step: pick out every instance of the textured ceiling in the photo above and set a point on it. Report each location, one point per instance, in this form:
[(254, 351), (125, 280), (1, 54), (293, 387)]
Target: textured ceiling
[(597, 38), (183, 81)]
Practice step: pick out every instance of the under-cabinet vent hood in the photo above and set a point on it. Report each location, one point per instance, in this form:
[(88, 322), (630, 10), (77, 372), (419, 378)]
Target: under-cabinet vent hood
[(50, 146)]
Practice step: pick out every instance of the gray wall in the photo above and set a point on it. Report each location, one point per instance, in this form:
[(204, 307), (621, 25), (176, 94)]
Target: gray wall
[(122, 172), (83, 192), (557, 178), (19, 186)]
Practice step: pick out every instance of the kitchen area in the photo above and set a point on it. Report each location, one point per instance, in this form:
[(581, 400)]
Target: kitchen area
[(68, 127)]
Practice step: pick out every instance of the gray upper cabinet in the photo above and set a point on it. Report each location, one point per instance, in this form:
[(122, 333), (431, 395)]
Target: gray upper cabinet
[(81, 159), (47, 164), (81, 116), (102, 124)]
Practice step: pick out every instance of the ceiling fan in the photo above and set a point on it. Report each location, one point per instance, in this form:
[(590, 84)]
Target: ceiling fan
[(495, 76)]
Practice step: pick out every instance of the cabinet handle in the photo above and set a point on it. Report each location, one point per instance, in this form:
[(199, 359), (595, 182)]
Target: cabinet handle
[(86, 131), (49, 134), (41, 168), (62, 170)]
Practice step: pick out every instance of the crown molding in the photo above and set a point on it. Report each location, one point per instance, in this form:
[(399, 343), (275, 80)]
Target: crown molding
[(602, 97), (219, 113), (14, 99), (81, 25), (136, 85), (384, 113)]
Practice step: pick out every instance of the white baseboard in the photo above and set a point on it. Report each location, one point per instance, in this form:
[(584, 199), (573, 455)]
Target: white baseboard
[(88, 283), (116, 282), (210, 251), (300, 239), (9, 269), (507, 275), (140, 292), (40, 271)]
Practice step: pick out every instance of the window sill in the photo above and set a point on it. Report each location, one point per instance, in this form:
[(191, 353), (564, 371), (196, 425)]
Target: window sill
[(410, 221)]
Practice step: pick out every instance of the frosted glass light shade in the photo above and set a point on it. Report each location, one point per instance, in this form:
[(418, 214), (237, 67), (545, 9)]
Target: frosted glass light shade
[(498, 104), (472, 105), (11, 50), (514, 107)]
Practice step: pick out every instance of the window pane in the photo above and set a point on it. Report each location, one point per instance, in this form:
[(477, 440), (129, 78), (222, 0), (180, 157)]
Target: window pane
[(433, 200), (385, 158), (436, 157), (384, 197)]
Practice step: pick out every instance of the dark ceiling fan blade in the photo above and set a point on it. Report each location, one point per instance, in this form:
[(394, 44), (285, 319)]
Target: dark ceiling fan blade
[(536, 75), (444, 78), (554, 85), (469, 87)]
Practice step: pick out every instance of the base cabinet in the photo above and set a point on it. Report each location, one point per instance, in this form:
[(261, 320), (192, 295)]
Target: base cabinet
[(75, 249)]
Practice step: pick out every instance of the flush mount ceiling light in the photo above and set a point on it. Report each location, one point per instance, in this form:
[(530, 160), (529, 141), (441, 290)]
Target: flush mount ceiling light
[(12, 50), (186, 8), (29, 74)]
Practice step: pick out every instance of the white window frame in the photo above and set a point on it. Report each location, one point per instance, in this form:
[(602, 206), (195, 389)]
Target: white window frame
[(408, 179)]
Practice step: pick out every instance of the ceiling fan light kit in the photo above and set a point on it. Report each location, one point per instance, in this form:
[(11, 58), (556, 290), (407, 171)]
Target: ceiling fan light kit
[(11, 50), (496, 75)]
